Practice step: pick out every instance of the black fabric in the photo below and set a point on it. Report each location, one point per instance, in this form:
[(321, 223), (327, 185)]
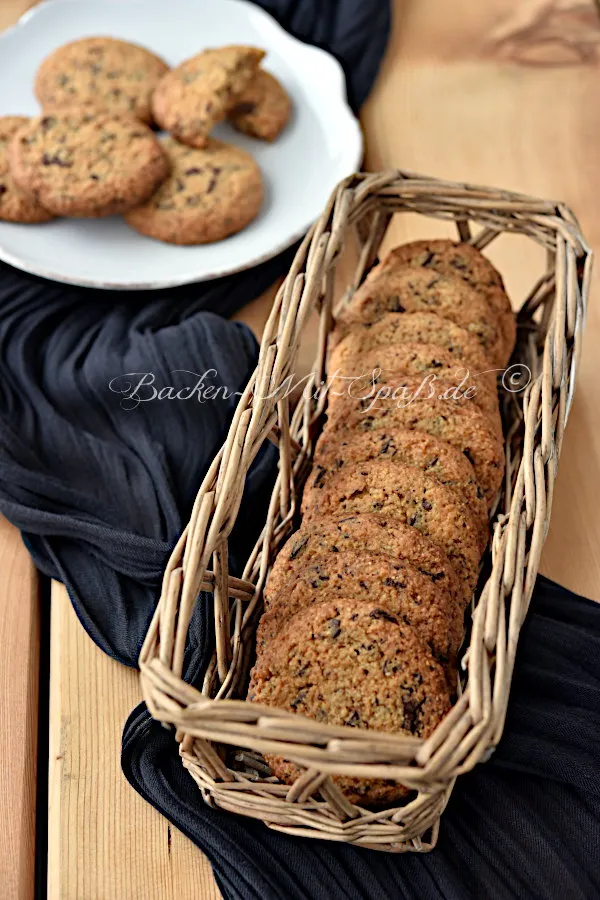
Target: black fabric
[(524, 825), (102, 489)]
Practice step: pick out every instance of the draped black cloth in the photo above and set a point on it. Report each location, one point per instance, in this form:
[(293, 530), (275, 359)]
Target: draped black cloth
[(524, 826), (97, 468)]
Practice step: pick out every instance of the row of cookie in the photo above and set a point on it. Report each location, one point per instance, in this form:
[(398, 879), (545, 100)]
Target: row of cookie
[(416, 427), (353, 606), (101, 74), (97, 165), (395, 513)]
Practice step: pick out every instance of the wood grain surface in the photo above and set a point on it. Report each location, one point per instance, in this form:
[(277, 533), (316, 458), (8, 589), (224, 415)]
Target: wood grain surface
[(19, 674), (105, 841), (502, 93)]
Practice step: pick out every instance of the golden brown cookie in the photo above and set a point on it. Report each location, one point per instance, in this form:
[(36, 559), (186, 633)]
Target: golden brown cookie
[(15, 205), (382, 372), (263, 108), (87, 165), (406, 494), (413, 328), (100, 74), (465, 262), (191, 99), (210, 194), (352, 663), (394, 583), (461, 424), (346, 450), (393, 288), (370, 533)]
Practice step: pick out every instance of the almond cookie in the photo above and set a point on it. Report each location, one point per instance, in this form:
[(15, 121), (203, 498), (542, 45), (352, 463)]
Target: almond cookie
[(382, 372), (263, 108), (370, 532), (405, 493), (87, 165), (394, 583), (100, 74), (390, 288), (469, 264), (410, 448), (210, 194), (355, 664), (15, 205), (191, 99), (459, 423)]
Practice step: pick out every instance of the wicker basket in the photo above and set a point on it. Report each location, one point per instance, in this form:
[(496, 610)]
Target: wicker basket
[(222, 738)]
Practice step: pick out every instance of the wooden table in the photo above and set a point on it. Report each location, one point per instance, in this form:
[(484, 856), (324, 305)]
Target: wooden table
[(504, 92)]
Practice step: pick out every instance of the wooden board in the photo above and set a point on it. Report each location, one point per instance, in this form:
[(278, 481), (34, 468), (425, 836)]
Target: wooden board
[(19, 680), (105, 841)]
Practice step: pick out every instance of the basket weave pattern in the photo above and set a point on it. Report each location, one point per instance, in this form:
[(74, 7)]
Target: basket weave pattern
[(222, 738)]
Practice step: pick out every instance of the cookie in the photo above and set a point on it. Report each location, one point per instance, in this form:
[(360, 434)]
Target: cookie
[(405, 493), (461, 424), (390, 288), (100, 74), (87, 165), (210, 194), (394, 583), (383, 371), (352, 663), (470, 265), (263, 108), (15, 205), (372, 533), (346, 450), (413, 328), (191, 99)]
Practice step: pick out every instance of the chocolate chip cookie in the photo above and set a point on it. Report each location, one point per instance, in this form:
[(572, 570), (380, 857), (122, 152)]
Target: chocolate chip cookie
[(383, 371), (263, 108), (100, 74), (369, 532), (346, 450), (459, 423), (405, 493), (15, 205), (394, 288), (191, 99), (469, 264), (87, 165), (352, 663), (211, 193), (394, 583), (413, 328)]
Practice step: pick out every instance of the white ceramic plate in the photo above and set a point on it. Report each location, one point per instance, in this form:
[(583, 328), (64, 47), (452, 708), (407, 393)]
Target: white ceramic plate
[(321, 145)]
